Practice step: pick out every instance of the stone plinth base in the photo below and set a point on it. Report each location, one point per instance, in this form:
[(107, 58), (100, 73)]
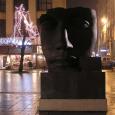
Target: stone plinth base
[(69, 92), (73, 105)]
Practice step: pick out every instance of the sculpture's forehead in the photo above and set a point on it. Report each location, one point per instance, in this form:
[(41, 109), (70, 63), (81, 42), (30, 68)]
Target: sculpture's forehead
[(79, 11), (80, 15)]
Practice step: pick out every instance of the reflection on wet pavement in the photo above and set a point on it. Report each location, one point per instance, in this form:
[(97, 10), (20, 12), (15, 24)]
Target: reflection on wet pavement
[(19, 94), (14, 82), (14, 104), (110, 92)]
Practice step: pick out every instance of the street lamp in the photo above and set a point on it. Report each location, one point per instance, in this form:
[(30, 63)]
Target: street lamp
[(104, 23), (104, 20)]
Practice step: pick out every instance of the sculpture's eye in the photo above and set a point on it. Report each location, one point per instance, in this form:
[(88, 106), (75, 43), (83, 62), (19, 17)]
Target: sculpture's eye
[(79, 24), (86, 24)]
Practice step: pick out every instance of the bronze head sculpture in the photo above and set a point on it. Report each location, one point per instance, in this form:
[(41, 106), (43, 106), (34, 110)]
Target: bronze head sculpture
[(78, 24)]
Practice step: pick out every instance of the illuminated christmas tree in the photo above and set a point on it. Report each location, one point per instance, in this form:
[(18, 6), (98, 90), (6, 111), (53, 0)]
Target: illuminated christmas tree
[(25, 30)]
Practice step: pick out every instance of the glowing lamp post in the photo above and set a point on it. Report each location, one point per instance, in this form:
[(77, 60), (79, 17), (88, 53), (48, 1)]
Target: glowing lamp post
[(104, 20), (104, 23)]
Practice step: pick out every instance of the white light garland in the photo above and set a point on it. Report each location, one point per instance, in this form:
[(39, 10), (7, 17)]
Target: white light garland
[(22, 20)]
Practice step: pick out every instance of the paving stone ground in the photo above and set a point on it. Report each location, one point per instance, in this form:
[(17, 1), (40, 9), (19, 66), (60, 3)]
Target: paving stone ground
[(20, 94)]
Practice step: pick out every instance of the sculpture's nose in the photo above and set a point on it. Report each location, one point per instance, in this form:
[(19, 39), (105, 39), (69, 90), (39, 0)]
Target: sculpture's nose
[(67, 40)]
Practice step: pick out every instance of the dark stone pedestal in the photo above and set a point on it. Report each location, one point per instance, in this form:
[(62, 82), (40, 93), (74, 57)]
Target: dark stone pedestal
[(68, 92), (73, 85)]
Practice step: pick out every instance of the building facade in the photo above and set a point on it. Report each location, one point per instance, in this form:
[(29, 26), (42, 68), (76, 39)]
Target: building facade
[(106, 28)]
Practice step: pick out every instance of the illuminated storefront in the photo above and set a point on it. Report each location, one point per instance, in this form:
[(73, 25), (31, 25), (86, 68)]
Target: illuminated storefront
[(10, 57)]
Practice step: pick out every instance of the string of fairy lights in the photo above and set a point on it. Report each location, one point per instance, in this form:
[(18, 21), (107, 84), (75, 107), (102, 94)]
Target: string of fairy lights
[(22, 20)]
